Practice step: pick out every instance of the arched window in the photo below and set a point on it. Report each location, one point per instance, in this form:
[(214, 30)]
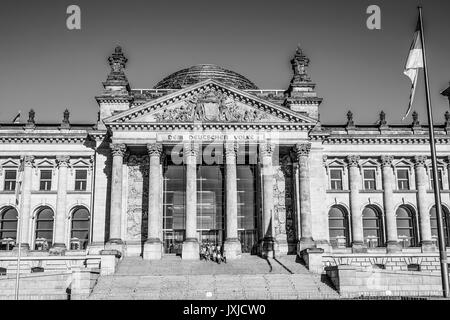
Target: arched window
[(8, 228), (80, 228), (338, 227), (372, 227), (406, 226), (44, 229), (433, 222)]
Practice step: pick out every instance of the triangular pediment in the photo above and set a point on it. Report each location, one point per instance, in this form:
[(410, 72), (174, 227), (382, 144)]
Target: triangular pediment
[(10, 163), (45, 163), (210, 102)]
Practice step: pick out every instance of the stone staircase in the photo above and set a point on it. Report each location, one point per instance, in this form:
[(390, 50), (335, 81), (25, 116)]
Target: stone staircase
[(247, 278)]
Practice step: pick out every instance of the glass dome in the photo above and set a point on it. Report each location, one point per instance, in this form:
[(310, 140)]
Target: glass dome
[(202, 72)]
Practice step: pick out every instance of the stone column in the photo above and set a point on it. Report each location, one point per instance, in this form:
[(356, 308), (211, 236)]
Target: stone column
[(153, 245), (115, 220), (388, 203), (356, 214), (60, 217), (424, 215), (306, 240), (25, 199), (232, 246), (190, 249), (268, 242)]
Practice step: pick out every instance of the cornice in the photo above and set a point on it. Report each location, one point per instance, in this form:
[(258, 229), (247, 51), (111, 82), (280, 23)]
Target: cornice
[(372, 139), (170, 126), (44, 139)]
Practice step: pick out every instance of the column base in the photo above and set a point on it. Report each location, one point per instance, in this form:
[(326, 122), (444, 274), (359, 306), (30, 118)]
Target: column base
[(268, 247), (305, 243), (24, 248), (114, 245), (232, 249), (393, 247), (428, 246), (95, 247), (152, 249), (190, 249), (359, 247), (323, 244), (58, 249)]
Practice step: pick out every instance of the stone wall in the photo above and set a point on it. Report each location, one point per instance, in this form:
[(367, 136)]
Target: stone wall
[(352, 281), (399, 262)]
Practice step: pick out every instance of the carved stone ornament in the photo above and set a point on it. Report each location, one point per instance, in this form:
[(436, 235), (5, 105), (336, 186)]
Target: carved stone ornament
[(154, 149), (419, 161), (118, 149), (211, 106), (62, 161), (302, 149), (386, 161), (231, 148), (353, 160), (190, 149), (266, 149), (28, 161)]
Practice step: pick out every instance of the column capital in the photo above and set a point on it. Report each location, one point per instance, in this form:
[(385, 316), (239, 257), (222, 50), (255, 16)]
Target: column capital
[(386, 161), (154, 149), (118, 149), (190, 149), (419, 161), (28, 161), (231, 148), (63, 161), (302, 149), (353, 160), (266, 149)]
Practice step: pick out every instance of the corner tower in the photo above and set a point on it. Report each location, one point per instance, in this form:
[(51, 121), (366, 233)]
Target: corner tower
[(301, 95), (116, 96)]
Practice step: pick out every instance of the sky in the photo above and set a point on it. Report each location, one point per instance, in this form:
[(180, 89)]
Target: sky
[(49, 68)]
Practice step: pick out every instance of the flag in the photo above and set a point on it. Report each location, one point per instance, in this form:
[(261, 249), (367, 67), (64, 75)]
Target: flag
[(413, 63), (19, 179), (17, 118)]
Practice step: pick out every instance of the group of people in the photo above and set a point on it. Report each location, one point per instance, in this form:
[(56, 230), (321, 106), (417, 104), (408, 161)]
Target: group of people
[(209, 251)]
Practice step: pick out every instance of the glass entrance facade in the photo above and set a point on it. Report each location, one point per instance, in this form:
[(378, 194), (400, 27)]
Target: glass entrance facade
[(174, 207), (247, 213), (210, 203), (211, 209)]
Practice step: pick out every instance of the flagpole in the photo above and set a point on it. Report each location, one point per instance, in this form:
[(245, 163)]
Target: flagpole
[(437, 194), (19, 227)]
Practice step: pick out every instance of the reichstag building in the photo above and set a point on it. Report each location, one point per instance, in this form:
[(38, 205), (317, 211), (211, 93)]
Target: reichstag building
[(206, 155)]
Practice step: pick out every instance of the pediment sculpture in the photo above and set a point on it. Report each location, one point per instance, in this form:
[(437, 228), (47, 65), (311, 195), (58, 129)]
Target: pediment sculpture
[(211, 106)]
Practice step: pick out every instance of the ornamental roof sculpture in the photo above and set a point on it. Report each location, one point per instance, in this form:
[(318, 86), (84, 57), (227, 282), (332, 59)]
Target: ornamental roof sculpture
[(299, 64)]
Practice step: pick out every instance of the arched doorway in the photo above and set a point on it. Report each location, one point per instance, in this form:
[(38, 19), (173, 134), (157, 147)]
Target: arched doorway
[(372, 226), (44, 229), (80, 226), (338, 227), (406, 226), (8, 228), (446, 220)]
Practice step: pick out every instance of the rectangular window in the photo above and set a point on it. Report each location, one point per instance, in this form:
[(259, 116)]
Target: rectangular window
[(80, 180), (336, 179), (439, 177), (45, 182), (403, 179), (10, 180), (369, 179)]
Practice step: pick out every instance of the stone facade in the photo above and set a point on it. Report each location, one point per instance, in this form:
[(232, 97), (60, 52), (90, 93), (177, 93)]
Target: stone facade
[(316, 185)]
